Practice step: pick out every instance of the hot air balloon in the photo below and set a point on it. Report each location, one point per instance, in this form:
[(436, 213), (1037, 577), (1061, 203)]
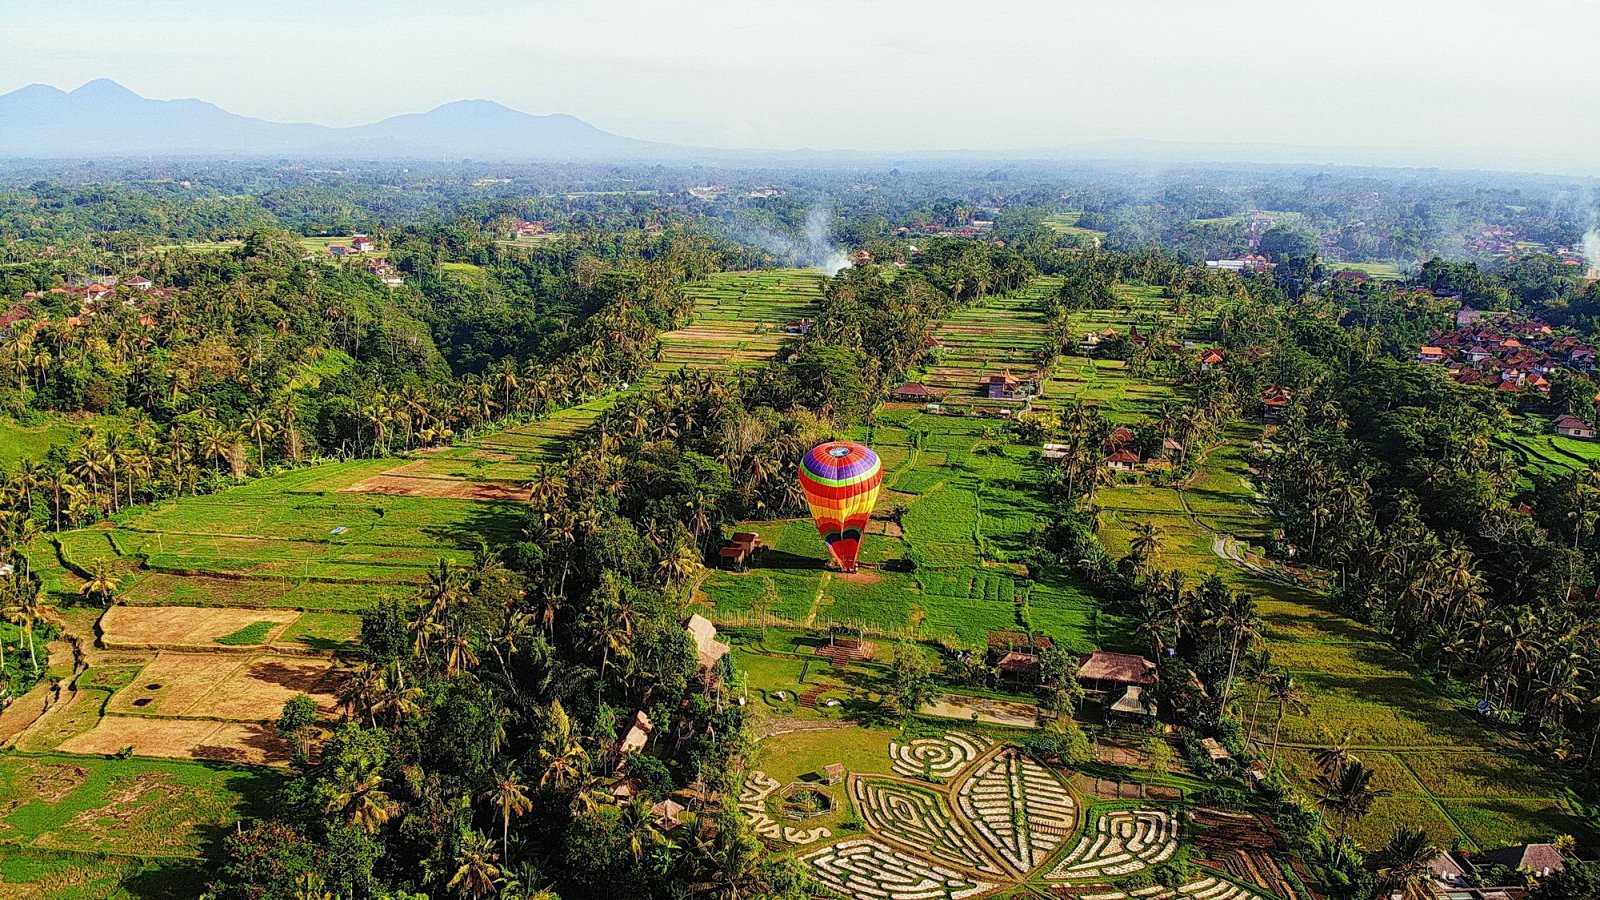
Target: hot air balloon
[(841, 483)]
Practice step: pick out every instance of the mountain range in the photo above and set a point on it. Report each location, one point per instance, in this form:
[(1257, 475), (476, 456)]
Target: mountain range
[(105, 119)]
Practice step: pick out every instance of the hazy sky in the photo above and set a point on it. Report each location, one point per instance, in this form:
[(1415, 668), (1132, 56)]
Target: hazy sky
[(1511, 80)]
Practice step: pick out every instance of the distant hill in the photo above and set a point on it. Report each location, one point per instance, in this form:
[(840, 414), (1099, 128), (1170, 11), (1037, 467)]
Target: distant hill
[(103, 118)]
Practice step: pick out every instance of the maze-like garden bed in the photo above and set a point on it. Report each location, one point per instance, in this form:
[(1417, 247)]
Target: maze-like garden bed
[(936, 757), (867, 868), (996, 820), (754, 798), (919, 817), (1123, 842), (1207, 888), (1019, 808)]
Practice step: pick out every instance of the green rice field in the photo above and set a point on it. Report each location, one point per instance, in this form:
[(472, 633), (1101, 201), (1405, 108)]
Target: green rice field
[(303, 539), (1465, 779), (739, 318)]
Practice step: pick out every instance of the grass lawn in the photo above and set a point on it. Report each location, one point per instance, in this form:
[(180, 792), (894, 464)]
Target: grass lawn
[(53, 875), (466, 273), (333, 632), (204, 246), (790, 757), (85, 827), (1067, 223), (1380, 271), (32, 442)]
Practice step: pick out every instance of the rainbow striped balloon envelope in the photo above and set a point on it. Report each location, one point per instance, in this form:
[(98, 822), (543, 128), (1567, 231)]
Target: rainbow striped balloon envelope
[(841, 483)]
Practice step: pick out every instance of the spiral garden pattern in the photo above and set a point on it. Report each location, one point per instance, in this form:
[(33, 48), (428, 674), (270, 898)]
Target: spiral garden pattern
[(936, 757), (870, 869)]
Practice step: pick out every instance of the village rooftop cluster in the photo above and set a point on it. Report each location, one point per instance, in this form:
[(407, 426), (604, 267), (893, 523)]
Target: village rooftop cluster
[(1508, 352)]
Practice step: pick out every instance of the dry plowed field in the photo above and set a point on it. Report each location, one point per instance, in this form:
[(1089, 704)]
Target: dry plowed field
[(237, 742), (397, 485), (184, 626), (224, 686)]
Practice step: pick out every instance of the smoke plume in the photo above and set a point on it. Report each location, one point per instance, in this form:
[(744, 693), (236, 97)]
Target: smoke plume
[(812, 248), (821, 252)]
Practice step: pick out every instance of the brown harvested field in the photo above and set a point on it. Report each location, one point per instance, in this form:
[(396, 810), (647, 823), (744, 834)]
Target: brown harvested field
[(259, 691), (226, 686), (436, 486), (184, 626), (237, 742)]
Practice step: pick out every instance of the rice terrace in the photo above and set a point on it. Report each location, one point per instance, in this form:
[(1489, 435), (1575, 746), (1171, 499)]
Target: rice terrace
[(901, 535), (231, 604)]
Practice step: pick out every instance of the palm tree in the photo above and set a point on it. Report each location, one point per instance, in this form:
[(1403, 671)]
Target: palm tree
[(1146, 542), (1237, 618), (309, 886), (359, 692), (506, 374), (560, 752), (259, 426), (23, 595), (395, 700), (1336, 755), (289, 415), (476, 870), (135, 463), (1346, 795), (682, 563), (1290, 698), (101, 583), (458, 655), (360, 800), (217, 443), (636, 825), (1257, 671), (90, 466), (1152, 623), (1405, 864), (509, 795), (10, 611)]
